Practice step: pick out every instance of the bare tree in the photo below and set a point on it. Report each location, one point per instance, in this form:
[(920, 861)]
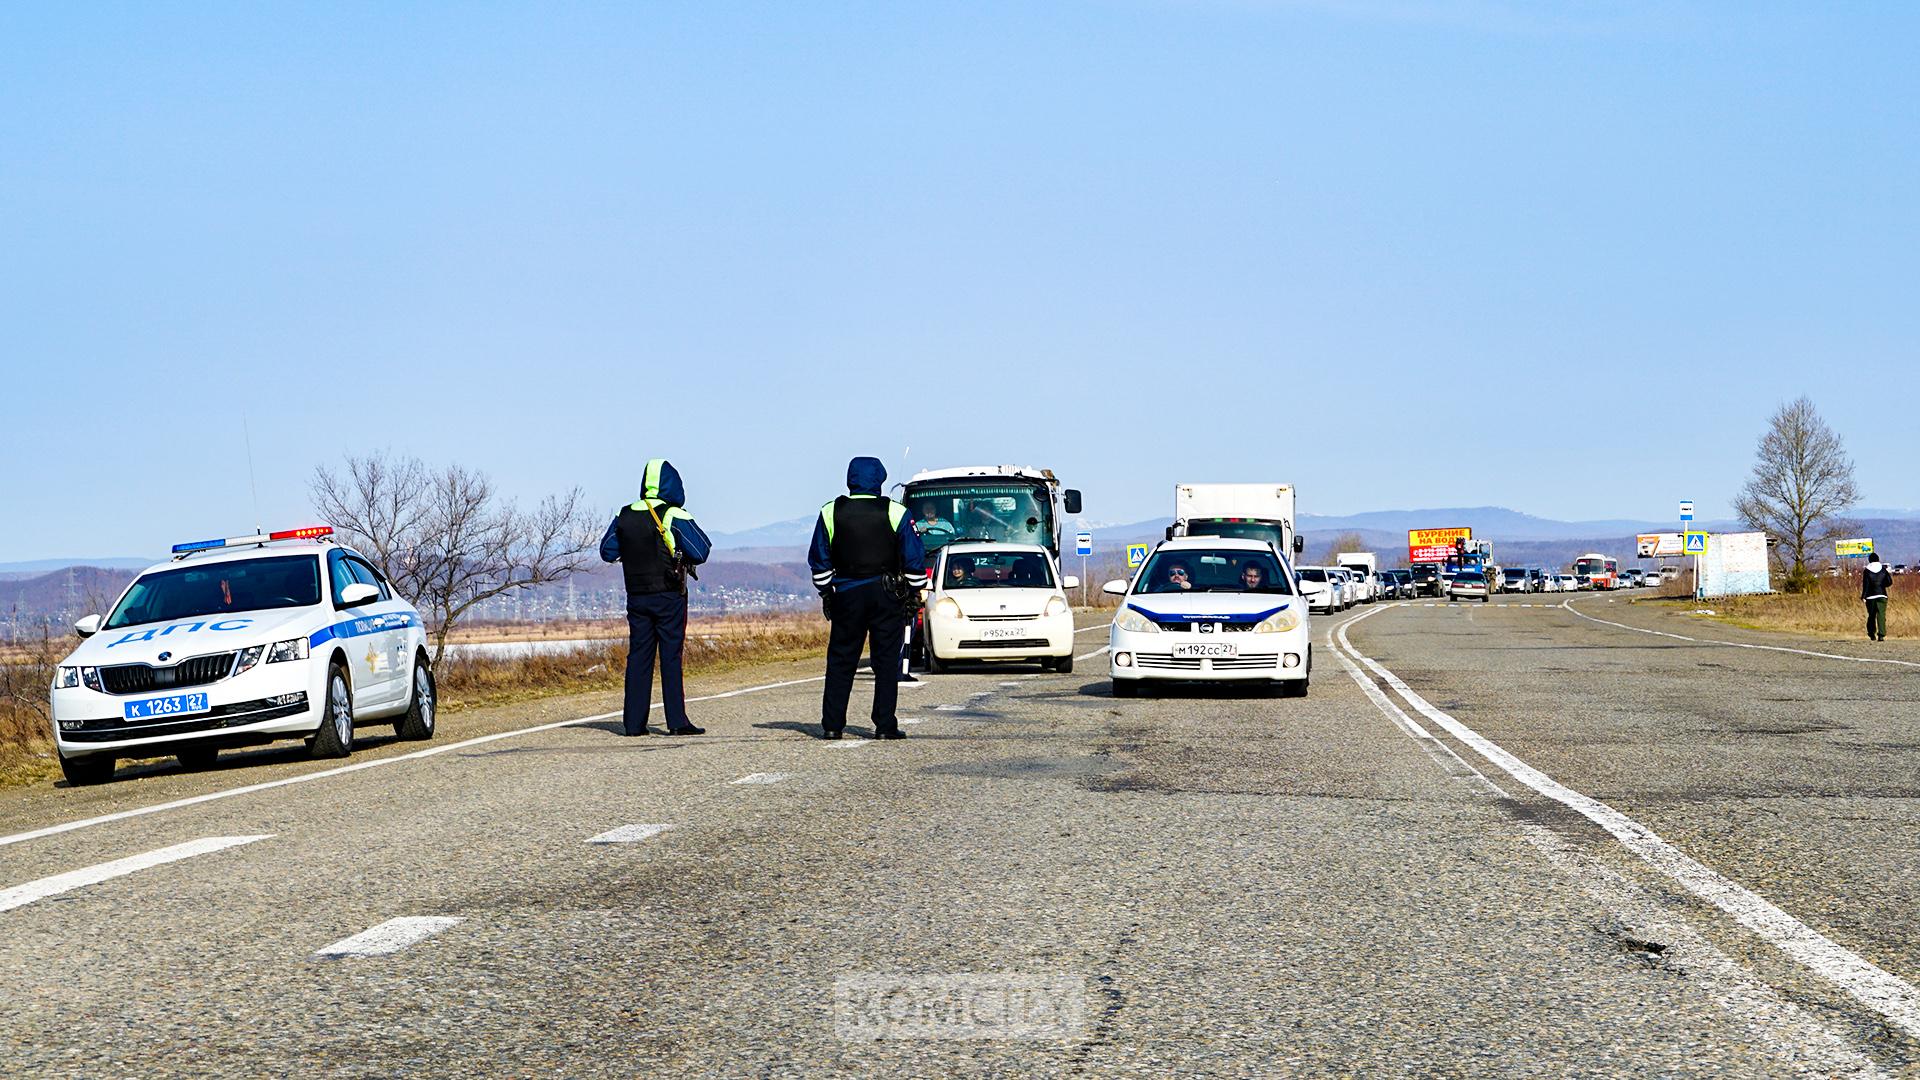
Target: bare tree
[(1344, 544), (446, 539), (1802, 482)]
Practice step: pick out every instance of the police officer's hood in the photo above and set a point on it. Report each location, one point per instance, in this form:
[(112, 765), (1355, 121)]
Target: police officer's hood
[(865, 475), (662, 481)]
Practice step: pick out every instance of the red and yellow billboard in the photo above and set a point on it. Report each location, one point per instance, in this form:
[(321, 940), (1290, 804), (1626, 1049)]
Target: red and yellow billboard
[(1434, 545)]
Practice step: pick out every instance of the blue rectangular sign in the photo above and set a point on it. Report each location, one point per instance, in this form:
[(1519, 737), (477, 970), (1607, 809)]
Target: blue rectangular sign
[(1083, 543)]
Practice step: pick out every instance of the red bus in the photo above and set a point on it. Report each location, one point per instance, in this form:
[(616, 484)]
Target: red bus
[(1597, 571)]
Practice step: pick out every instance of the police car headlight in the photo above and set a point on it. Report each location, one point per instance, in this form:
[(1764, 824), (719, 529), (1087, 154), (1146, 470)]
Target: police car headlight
[(249, 659), (1056, 605), (1135, 623), (948, 607), (68, 678), (290, 649), (1278, 623)]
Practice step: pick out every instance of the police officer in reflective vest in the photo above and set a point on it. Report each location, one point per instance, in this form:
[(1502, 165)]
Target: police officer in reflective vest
[(656, 542), (869, 566)]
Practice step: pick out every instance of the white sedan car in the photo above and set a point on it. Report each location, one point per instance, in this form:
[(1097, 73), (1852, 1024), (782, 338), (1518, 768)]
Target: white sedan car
[(1210, 609), (993, 601), (238, 642), (1322, 592)]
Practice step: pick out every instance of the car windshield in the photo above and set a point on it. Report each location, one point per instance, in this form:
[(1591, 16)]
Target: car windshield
[(1214, 571), (1007, 512), (1313, 573), (1425, 570), (1470, 577), (1589, 566), (219, 588), (1513, 575), (993, 569)]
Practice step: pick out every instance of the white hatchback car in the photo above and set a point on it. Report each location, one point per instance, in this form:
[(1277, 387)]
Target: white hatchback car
[(1210, 609), (1321, 591), (992, 601), (238, 642)]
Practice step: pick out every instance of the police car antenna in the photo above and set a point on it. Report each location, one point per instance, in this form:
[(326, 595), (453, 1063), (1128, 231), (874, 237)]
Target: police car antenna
[(252, 485)]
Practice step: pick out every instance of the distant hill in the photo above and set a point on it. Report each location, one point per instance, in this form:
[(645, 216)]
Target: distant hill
[(41, 566)]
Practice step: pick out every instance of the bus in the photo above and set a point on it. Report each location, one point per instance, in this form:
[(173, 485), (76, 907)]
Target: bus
[(1597, 571)]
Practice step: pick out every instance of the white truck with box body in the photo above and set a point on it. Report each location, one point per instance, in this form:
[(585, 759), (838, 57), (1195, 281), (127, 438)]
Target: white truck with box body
[(1251, 511), (1366, 565)]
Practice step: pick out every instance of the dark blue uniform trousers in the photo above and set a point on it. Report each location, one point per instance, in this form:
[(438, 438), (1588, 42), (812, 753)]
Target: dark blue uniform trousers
[(863, 614), (655, 621)]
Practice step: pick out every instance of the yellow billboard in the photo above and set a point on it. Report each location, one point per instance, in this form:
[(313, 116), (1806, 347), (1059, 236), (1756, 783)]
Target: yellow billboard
[(1434, 545)]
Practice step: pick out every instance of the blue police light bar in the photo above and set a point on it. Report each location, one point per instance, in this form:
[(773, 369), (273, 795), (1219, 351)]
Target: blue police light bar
[(307, 532), (198, 545)]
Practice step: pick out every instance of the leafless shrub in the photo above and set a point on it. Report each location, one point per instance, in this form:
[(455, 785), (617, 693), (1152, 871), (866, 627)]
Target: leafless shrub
[(446, 538)]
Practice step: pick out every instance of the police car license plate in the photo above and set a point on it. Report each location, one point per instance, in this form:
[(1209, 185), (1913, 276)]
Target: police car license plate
[(1214, 649), (176, 705), (1002, 633)]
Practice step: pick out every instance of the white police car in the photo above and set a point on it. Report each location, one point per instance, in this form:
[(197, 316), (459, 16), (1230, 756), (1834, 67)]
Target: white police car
[(1211, 609), (237, 642)]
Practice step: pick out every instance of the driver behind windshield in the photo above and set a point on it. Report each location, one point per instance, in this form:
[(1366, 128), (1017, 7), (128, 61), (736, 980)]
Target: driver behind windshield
[(959, 572), (1251, 578), (1177, 579), (930, 524)]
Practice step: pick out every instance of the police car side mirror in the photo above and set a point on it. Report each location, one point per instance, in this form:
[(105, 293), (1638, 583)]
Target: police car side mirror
[(88, 626), (1116, 587), (1069, 582), (357, 594)]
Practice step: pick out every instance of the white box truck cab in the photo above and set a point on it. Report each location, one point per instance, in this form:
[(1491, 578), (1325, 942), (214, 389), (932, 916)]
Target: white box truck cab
[(1366, 566), (1004, 504), (1248, 511)]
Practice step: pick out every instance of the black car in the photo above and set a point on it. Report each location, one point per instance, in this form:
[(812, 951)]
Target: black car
[(1426, 580)]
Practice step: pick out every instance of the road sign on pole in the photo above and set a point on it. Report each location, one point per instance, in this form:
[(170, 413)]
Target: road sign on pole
[(1136, 554), (1686, 510), (1084, 543), (1696, 543)]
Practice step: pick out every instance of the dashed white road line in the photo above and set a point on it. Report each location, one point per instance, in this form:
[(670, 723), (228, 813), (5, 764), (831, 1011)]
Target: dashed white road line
[(763, 778), (1094, 653), (847, 744), (1568, 604), (389, 937), (629, 834), (21, 895), (1880, 990), (305, 778)]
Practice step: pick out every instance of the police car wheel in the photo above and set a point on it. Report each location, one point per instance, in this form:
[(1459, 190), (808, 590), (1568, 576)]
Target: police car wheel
[(417, 722), (81, 772), (196, 758), (335, 737)]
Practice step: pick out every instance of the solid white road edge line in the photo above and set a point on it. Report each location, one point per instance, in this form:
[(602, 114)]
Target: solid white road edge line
[(1873, 986), (1568, 604), (122, 815), (763, 778), (1794, 1034), (389, 937), (628, 834), (20, 895)]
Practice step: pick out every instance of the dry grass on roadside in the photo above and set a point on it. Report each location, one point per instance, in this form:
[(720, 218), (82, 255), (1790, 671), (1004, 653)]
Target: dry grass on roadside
[(26, 742), (1833, 609)]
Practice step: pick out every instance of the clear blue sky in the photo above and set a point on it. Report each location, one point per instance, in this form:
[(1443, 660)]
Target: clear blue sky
[(1389, 251)]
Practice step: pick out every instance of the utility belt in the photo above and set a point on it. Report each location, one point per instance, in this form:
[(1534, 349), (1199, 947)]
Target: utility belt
[(900, 592)]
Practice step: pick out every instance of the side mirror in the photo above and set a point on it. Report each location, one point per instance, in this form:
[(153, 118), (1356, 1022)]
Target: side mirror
[(1069, 582), (1116, 587), (1299, 544), (88, 626), (357, 594), (1070, 499)]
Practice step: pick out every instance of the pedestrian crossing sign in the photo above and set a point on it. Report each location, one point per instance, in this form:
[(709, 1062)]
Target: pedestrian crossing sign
[(1136, 554), (1696, 543)]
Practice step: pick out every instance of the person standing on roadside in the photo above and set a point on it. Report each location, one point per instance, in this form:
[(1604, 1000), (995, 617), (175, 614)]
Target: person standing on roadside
[(869, 566), (657, 544), (1875, 583)]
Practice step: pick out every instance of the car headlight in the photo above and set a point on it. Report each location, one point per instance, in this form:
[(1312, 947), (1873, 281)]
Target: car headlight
[(290, 649), (949, 607), (67, 678), (1056, 605), (1278, 623), (1134, 622)]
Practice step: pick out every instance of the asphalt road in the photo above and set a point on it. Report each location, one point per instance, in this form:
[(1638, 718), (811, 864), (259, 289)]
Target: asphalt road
[(1499, 839)]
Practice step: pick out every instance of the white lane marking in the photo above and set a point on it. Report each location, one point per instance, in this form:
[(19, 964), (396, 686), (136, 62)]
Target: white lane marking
[(389, 937), (911, 720), (1739, 644), (1004, 685), (122, 815), (1873, 986), (629, 834), (949, 708), (1787, 1028), (21, 895), (845, 744), (1091, 629), (1094, 653), (763, 778), (914, 685)]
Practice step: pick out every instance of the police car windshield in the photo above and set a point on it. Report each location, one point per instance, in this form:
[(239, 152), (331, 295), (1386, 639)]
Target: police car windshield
[(985, 570), (1008, 513), (219, 588), (1215, 571)]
